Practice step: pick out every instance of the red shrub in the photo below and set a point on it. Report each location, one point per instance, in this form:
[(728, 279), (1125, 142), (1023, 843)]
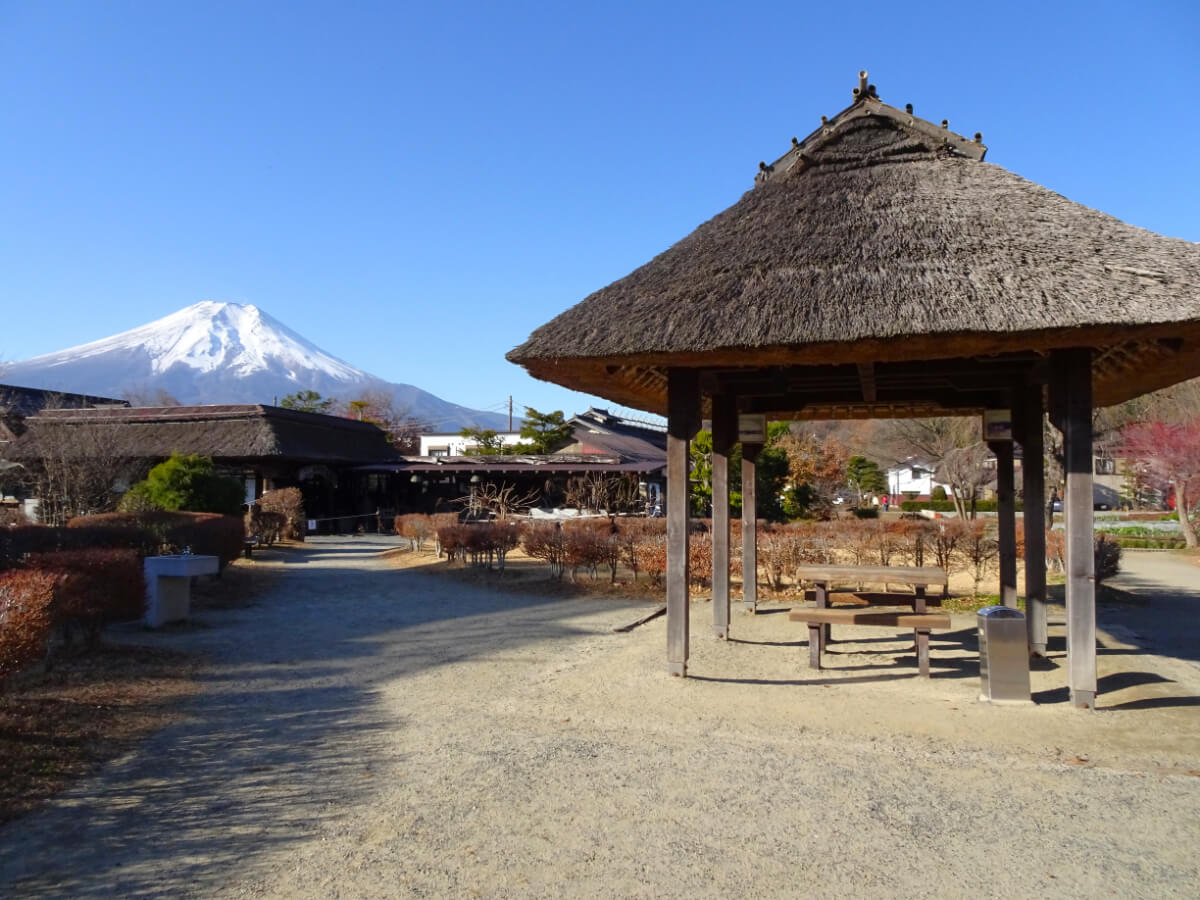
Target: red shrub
[(652, 557), (417, 528), (93, 587), (25, 618), (209, 534), (544, 541), (289, 503)]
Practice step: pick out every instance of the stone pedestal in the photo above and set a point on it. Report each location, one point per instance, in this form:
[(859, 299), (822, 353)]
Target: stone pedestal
[(169, 585)]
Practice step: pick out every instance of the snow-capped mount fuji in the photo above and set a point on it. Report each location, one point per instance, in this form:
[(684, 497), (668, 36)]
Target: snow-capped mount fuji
[(212, 352)]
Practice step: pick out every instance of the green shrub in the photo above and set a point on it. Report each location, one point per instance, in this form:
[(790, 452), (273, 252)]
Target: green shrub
[(186, 483), (938, 493)]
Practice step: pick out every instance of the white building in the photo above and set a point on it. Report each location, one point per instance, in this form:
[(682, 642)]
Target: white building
[(454, 444), (914, 477)]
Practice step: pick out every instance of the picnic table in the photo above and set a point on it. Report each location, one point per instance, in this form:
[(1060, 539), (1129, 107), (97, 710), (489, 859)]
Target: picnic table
[(820, 618)]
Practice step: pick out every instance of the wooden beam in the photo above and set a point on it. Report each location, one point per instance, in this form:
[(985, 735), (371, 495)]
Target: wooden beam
[(866, 378), (749, 528), (1006, 521), (724, 422), (1033, 477), (683, 416), (1074, 387)]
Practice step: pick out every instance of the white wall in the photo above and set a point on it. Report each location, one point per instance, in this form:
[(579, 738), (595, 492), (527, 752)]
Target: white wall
[(457, 444)]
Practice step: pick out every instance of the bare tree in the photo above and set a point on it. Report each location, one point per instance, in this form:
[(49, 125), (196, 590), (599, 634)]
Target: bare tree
[(499, 500), (145, 395), (965, 470), (930, 439), (77, 468), (379, 406)]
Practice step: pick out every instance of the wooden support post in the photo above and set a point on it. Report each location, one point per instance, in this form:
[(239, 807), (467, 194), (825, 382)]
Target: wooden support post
[(749, 528), (814, 645), (1033, 479), (922, 635), (724, 424), (1006, 521), (683, 415), (1074, 382)]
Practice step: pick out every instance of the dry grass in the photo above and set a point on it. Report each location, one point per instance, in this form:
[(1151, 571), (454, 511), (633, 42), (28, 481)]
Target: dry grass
[(60, 725), (64, 724)]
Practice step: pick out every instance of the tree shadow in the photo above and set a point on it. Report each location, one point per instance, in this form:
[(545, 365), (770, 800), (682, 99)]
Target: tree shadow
[(284, 736)]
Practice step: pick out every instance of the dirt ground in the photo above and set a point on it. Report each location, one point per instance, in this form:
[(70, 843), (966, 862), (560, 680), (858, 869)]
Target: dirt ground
[(365, 729)]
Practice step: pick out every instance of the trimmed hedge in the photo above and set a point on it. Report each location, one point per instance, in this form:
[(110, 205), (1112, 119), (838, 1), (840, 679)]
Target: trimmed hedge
[(93, 587), (26, 601), (209, 534), (948, 505)]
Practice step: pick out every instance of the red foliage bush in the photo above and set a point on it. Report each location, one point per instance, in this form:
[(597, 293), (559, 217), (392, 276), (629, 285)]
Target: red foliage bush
[(583, 548), (268, 527), (439, 522), (417, 528), (289, 503), (26, 599), (544, 541), (93, 587), (651, 555), (451, 541), (209, 534), (483, 544)]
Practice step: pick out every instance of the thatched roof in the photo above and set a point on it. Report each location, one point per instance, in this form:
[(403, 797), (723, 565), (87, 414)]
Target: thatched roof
[(242, 432), (882, 238)]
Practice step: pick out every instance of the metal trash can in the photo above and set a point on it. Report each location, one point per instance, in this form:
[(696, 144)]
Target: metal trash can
[(1003, 656)]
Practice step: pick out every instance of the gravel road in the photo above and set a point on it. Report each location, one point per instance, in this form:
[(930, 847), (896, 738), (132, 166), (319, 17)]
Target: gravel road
[(369, 731)]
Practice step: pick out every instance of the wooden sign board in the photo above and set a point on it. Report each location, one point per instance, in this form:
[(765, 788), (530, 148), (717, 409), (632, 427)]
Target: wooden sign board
[(997, 425), (752, 428)]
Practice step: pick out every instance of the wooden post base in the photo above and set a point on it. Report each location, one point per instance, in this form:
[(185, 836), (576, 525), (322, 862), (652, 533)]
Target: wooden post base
[(678, 669), (923, 651), (1083, 699)]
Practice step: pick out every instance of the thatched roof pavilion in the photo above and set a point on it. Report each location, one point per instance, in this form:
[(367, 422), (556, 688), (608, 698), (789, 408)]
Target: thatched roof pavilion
[(881, 237), (878, 268)]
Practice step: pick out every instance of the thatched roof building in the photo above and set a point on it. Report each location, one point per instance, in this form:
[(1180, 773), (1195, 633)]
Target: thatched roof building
[(19, 403), (238, 432), (879, 237)]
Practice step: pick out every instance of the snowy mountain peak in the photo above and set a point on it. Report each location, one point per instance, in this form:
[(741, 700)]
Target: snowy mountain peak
[(237, 338), (214, 352)]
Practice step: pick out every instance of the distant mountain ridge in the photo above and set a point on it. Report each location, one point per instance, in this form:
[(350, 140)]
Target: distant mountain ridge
[(215, 352)]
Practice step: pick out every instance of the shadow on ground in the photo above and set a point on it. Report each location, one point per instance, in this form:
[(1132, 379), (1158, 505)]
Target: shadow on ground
[(281, 741)]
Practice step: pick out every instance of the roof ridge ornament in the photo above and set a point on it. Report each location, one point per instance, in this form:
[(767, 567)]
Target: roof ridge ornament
[(866, 103)]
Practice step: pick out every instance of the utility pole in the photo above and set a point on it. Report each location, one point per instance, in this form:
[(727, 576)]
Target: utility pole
[(510, 413)]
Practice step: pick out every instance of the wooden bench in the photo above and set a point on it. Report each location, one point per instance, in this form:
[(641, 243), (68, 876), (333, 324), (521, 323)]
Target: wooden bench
[(819, 620)]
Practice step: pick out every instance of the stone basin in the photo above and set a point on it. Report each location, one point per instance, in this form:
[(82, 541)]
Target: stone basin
[(180, 565), (169, 585)]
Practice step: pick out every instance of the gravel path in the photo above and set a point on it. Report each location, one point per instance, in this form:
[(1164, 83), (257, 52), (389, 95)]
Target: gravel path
[(372, 732), (1171, 585)]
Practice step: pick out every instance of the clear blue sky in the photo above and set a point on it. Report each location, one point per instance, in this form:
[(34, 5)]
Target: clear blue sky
[(416, 186)]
